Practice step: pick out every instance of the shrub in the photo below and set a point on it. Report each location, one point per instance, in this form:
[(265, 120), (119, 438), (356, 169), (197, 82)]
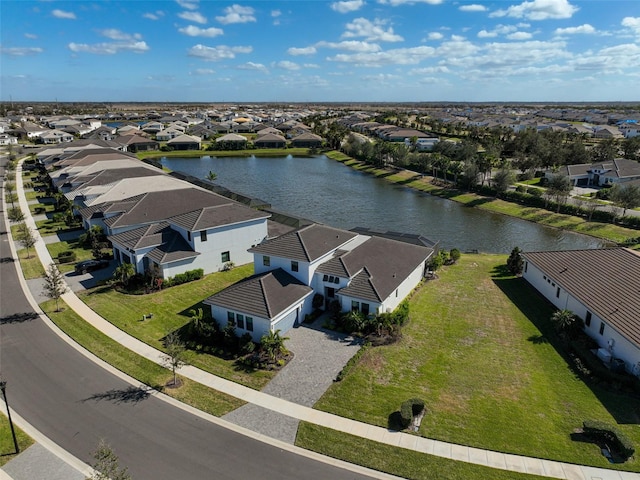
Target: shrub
[(610, 435), (401, 314), (535, 192), (67, 257), (188, 276), (318, 301), (409, 409), (521, 189)]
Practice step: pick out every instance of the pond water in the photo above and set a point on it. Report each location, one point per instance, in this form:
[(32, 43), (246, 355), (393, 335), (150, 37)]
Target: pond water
[(329, 192)]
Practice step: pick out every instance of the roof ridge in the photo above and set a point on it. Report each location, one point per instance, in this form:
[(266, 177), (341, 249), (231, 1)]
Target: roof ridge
[(265, 297)]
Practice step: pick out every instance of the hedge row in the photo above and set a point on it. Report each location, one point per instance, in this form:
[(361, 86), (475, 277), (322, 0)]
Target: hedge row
[(185, 277), (409, 409), (67, 257), (610, 435)]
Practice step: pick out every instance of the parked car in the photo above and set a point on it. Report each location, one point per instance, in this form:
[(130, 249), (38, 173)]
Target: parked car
[(90, 265)]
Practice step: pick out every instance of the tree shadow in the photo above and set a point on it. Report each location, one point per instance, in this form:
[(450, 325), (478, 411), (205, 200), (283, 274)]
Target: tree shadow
[(7, 260), (479, 201), (127, 395), (394, 421), (538, 339), (19, 317)]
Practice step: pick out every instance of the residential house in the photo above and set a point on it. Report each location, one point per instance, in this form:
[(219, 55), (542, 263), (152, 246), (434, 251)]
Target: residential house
[(185, 142), (601, 287), (367, 273), (136, 143), (619, 170), (607, 131), (239, 141), (6, 139), (307, 140), (270, 140), (168, 134), (55, 136)]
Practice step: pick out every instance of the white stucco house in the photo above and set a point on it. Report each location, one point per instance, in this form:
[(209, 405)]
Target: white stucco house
[(367, 273), (600, 286)]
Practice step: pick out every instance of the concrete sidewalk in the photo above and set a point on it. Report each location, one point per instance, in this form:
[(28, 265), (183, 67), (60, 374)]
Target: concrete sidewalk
[(299, 412)]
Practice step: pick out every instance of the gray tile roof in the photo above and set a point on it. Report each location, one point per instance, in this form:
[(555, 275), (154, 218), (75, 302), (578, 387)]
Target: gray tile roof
[(306, 244), (216, 216), (105, 177), (606, 281), (264, 295)]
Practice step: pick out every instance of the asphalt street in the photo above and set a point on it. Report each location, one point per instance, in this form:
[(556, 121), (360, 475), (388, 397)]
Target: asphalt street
[(76, 403)]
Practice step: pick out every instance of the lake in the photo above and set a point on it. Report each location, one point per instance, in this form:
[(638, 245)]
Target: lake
[(329, 192)]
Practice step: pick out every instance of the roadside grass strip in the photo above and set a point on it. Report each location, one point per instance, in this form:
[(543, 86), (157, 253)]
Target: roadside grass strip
[(7, 448)]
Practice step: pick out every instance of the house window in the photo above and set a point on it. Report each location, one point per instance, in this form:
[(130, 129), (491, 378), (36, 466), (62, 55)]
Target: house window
[(364, 308), (526, 264), (587, 319), (189, 236), (240, 320), (231, 319), (325, 278), (355, 306), (396, 293), (558, 292), (331, 292), (225, 257), (601, 328), (266, 261), (294, 266), (203, 235), (336, 280), (249, 321)]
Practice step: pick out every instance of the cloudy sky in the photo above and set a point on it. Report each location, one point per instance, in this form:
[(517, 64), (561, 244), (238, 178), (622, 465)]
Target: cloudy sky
[(299, 51)]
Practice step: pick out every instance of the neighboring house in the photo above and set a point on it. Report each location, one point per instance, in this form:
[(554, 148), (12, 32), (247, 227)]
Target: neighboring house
[(601, 287), (422, 144), (270, 140), (307, 140), (136, 143), (185, 142), (619, 170), (152, 127), (6, 139), (232, 139), (128, 130), (369, 274), (607, 131), (56, 136)]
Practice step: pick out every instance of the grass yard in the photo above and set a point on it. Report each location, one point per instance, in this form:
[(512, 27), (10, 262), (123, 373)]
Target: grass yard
[(396, 461), (479, 351), (31, 266), (170, 309), (143, 370), (82, 253), (7, 448)]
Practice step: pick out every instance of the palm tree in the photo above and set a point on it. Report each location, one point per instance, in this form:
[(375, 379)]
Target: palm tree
[(211, 176), (124, 272), (197, 320), (273, 344), (566, 322)]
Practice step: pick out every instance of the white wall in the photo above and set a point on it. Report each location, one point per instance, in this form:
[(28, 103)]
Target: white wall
[(260, 325), (405, 288)]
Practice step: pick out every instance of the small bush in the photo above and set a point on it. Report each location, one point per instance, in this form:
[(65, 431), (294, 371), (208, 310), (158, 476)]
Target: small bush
[(521, 189), (409, 409), (610, 435), (67, 257), (188, 276)]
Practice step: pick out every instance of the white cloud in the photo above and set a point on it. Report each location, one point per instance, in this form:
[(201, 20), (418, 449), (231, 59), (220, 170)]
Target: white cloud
[(237, 14), (610, 60), (499, 30), (31, 36), (194, 31), (287, 65), (435, 36), (586, 28), (115, 34), (311, 65), (381, 77), (253, 66), (633, 23), (352, 46), (474, 7), (301, 51), (62, 14), (193, 17), (188, 4), (276, 13), (213, 54), (372, 31), (395, 3), (20, 51), (429, 70), (400, 56), (107, 48), (154, 15), (347, 6), (202, 71), (538, 10), (519, 36)]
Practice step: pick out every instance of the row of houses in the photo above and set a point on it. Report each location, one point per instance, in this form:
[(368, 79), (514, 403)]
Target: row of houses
[(166, 226)]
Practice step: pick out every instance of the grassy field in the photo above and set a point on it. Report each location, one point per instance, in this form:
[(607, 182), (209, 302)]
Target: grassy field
[(170, 310), (31, 266), (82, 253), (7, 448), (143, 370), (480, 351)]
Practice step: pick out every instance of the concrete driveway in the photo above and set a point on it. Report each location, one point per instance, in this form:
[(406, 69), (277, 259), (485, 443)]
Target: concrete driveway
[(82, 281)]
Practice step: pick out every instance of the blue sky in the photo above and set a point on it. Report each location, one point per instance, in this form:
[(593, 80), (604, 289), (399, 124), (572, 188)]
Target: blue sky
[(320, 51)]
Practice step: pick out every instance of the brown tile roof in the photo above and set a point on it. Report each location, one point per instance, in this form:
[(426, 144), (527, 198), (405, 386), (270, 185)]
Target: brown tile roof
[(264, 295), (606, 281), (306, 244)]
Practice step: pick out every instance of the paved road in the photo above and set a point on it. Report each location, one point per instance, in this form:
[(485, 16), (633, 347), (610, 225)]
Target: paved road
[(76, 403)]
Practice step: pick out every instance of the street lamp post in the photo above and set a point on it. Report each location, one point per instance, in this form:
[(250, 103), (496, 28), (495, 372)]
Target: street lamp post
[(3, 387)]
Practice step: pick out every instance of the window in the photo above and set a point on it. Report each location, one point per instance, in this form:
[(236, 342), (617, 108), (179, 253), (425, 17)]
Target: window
[(364, 308), (557, 292), (189, 236), (266, 261), (331, 292), (544, 277), (355, 306), (601, 328), (225, 257), (336, 280), (231, 318), (240, 320), (396, 293), (294, 266), (203, 235), (325, 277), (526, 264), (249, 323), (587, 319)]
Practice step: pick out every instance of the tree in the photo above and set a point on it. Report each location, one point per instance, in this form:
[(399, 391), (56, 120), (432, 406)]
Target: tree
[(107, 465), (606, 150), (502, 180), (211, 176), (124, 272), (454, 255), (15, 214), (625, 196), (566, 322), (559, 187), (515, 264), (273, 344), (175, 351), (54, 284), (26, 238), (10, 190)]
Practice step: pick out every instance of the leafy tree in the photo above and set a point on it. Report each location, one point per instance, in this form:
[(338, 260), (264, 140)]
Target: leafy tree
[(559, 187), (454, 255), (26, 238), (197, 321), (54, 284), (353, 321), (502, 180), (15, 214), (606, 150), (10, 190), (272, 344), (625, 196), (124, 272), (106, 466), (175, 351), (515, 263), (631, 148), (211, 176)]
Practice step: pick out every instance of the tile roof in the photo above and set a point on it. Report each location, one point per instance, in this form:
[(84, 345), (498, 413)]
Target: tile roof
[(264, 295), (216, 216), (606, 281), (306, 244)]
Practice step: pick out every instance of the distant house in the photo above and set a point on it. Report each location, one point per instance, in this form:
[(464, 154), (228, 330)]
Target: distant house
[(6, 139), (168, 134), (232, 141), (307, 140), (135, 143), (601, 287), (365, 273), (56, 136), (270, 140), (619, 170), (185, 142), (607, 131)]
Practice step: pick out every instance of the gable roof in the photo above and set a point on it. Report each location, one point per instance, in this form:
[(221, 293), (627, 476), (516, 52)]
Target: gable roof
[(105, 177), (606, 281), (216, 216), (265, 295), (306, 244), (185, 139)]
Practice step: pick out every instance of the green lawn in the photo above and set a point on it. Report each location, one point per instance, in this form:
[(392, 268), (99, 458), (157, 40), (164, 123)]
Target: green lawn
[(143, 370), (31, 266), (82, 253), (170, 309), (479, 350), (7, 448)]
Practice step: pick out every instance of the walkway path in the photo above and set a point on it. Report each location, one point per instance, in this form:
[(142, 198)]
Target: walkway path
[(300, 412)]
